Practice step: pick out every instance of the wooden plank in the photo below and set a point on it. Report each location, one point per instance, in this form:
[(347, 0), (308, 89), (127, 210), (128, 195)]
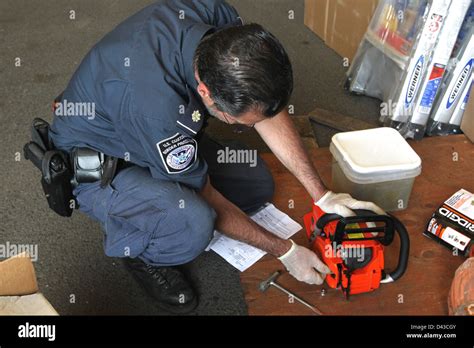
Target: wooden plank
[(250, 137), (338, 121), (423, 290), (325, 124)]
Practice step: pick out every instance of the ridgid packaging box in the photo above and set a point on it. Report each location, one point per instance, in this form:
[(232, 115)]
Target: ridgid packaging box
[(452, 224), (340, 23), (19, 289)]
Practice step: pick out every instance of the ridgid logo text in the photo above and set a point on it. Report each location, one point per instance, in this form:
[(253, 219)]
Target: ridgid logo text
[(454, 217), (37, 331)]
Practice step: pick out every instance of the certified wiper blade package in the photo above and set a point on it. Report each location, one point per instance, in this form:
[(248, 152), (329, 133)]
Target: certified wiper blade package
[(436, 70), (455, 91)]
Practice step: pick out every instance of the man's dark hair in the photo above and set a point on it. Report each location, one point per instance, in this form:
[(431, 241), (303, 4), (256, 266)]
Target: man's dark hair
[(245, 68)]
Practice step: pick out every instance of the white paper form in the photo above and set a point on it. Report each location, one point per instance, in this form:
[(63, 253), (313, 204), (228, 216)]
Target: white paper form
[(241, 255)]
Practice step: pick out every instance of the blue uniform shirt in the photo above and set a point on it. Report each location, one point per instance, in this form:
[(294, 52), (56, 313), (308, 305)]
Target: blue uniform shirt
[(139, 82)]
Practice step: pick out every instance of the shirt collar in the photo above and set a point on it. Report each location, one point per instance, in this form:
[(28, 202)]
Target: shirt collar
[(193, 118)]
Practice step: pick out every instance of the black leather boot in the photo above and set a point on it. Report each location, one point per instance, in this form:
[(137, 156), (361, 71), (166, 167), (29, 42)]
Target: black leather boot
[(167, 285)]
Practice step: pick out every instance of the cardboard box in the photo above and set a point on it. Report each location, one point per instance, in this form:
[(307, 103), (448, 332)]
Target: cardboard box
[(467, 125), (452, 224), (340, 23), (19, 289)]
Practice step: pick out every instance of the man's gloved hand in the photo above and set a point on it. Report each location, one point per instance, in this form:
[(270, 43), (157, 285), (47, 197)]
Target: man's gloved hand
[(342, 204), (304, 265)]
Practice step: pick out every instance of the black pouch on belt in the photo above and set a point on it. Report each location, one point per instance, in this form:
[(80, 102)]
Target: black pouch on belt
[(91, 166), (56, 174)]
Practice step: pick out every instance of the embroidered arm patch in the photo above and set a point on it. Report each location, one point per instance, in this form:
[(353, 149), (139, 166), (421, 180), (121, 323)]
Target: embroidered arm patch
[(178, 153)]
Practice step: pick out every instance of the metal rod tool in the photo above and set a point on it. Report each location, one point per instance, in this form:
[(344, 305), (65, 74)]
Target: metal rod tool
[(271, 281)]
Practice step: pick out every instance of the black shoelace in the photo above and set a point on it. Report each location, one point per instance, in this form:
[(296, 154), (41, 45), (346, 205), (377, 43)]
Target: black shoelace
[(164, 275)]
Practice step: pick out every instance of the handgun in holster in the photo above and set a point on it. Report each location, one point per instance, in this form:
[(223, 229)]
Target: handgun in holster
[(61, 172), (56, 174)]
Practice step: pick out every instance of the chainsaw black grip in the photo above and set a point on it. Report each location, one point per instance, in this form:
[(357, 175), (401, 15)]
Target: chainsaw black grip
[(327, 218), (404, 250)]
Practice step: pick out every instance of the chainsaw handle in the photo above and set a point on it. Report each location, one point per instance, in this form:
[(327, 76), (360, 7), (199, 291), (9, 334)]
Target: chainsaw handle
[(399, 228), (326, 219), (404, 252), (339, 224)]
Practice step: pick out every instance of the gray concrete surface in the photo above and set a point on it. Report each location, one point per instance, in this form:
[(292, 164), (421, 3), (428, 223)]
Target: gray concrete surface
[(50, 46)]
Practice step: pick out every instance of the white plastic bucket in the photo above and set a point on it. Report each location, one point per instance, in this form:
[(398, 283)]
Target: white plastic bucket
[(376, 165)]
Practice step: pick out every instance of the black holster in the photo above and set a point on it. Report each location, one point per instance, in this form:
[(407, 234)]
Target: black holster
[(56, 174)]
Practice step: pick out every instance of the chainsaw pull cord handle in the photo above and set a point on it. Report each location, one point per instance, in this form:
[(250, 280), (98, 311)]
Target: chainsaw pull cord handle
[(404, 252)]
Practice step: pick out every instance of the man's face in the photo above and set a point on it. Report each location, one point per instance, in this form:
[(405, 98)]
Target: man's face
[(248, 119)]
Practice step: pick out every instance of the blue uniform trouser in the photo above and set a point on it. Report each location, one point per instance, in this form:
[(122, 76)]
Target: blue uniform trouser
[(165, 223)]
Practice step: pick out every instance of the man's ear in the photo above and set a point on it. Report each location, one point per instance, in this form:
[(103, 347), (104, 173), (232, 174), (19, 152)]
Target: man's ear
[(203, 90), (205, 94)]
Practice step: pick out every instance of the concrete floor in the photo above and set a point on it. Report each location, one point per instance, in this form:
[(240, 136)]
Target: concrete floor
[(50, 46)]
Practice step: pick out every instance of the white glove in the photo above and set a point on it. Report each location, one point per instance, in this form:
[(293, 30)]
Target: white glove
[(304, 265), (342, 203)]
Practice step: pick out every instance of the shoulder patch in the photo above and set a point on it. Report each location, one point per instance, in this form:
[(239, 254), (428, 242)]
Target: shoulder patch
[(178, 153)]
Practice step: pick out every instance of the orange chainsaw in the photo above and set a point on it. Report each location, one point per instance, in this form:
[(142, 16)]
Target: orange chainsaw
[(353, 248)]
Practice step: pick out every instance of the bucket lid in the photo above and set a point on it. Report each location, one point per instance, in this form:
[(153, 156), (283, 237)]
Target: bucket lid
[(375, 155)]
